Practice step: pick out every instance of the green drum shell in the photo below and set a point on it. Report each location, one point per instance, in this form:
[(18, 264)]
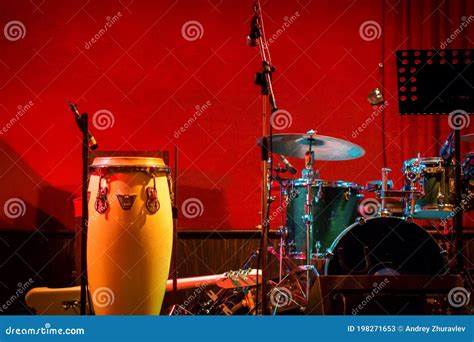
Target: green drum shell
[(335, 207)]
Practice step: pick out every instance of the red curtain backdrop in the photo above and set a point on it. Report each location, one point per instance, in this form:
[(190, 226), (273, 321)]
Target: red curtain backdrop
[(161, 85)]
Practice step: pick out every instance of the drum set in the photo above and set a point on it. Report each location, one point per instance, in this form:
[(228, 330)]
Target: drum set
[(335, 225)]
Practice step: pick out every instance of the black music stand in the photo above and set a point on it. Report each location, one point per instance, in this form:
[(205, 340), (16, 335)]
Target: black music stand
[(439, 82)]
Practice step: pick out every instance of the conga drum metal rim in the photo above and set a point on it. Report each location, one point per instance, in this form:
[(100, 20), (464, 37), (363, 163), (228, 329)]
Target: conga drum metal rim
[(120, 164)]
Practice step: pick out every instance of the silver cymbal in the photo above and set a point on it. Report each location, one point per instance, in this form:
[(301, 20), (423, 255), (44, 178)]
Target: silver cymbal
[(467, 138), (324, 147)]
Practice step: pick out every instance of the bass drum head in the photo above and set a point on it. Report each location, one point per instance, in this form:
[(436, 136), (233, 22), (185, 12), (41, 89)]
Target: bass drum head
[(385, 246)]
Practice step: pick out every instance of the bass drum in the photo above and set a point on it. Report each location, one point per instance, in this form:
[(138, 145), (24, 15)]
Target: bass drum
[(385, 246)]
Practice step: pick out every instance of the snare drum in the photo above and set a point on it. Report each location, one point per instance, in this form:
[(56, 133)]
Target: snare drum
[(334, 207), (130, 235), (435, 180)]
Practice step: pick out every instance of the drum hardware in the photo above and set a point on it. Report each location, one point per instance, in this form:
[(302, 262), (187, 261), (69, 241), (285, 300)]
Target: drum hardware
[(152, 203), (101, 202), (375, 97), (433, 177), (376, 185), (288, 167), (126, 201)]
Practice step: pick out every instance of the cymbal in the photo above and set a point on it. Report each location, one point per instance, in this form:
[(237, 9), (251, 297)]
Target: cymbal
[(467, 138), (324, 147)]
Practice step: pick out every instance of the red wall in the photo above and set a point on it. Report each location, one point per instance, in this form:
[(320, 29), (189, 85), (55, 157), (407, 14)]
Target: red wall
[(151, 79)]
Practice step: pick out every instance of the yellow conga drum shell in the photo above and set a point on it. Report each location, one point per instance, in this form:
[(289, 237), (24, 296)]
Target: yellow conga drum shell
[(129, 245)]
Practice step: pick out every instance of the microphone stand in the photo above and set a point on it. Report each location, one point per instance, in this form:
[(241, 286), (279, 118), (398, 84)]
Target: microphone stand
[(85, 210), (88, 142), (264, 80)]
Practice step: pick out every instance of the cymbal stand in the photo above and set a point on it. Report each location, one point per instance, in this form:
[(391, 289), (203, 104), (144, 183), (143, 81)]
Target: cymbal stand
[(308, 217)]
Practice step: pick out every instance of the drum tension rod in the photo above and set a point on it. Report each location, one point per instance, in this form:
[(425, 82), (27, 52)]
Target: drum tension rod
[(101, 202)]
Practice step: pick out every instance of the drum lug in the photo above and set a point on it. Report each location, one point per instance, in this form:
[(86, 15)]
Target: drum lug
[(282, 231), (440, 199), (347, 194), (361, 220), (152, 202), (101, 201)]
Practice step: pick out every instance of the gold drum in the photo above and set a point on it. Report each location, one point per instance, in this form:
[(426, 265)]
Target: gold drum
[(130, 235)]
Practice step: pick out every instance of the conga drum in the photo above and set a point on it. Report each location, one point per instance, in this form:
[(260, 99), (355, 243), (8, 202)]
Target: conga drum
[(130, 235)]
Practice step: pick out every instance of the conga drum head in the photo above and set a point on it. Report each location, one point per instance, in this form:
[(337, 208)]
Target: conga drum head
[(128, 164), (385, 246)]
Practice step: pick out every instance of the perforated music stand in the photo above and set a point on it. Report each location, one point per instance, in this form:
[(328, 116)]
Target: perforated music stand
[(439, 82), (435, 82)]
